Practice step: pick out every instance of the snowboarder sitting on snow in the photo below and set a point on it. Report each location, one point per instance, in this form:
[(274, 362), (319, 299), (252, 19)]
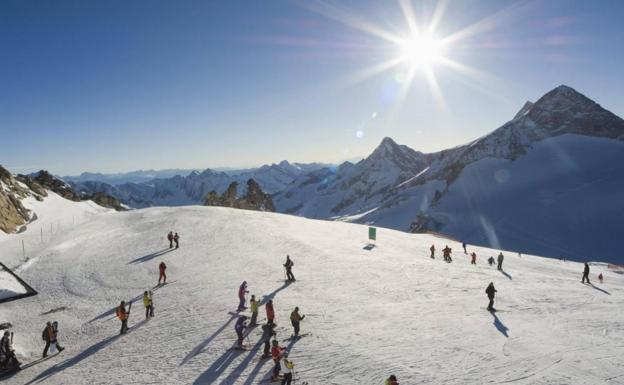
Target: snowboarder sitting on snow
[(288, 265), (491, 292), (473, 261), (147, 302), (242, 289), (122, 314), (276, 354), (176, 239), (491, 261), (600, 277), (392, 380), (288, 367), (170, 239), (432, 248), (585, 274), (295, 319), (49, 336), (270, 312), (240, 329), (446, 252), (267, 332), (501, 257), (9, 360), (161, 269), (254, 304)]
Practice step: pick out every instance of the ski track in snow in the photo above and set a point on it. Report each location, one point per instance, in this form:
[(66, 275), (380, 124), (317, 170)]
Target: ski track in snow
[(371, 313)]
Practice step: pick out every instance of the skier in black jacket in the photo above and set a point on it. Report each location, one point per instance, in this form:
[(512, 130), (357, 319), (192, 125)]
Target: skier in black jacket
[(585, 274), (491, 292), (268, 331), (288, 265)]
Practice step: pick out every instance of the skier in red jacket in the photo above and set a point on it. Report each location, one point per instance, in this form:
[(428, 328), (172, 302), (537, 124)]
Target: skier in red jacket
[(242, 290), (270, 313), (276, 355), (162, 276)]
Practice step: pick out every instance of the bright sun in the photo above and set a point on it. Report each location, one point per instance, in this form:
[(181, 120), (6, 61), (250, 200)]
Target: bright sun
[(420, 50)]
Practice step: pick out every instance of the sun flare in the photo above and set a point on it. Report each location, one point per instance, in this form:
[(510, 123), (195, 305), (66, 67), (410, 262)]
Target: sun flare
[(420, 50)]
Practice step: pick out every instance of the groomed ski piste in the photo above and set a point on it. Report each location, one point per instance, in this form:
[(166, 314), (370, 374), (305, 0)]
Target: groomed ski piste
[(371, 312)]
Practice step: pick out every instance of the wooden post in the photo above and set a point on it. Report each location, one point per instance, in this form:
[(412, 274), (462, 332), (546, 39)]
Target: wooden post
[(23, 250)]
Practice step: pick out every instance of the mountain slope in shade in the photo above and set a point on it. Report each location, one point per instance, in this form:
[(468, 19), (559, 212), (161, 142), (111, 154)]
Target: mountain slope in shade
[(534, 185)]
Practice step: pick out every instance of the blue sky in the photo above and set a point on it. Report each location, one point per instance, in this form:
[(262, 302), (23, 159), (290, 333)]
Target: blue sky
[(122, 85)]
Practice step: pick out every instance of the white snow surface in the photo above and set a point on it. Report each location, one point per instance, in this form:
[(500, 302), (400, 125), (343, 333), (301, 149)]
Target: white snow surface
[(9, 286), (372, 313)]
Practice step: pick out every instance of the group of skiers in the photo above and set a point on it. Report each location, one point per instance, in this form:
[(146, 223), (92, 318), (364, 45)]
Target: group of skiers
[(272, 349)]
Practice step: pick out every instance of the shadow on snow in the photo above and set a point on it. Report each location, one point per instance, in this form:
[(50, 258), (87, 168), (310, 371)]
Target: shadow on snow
[(499, 325), (151, 256), (49, 372)]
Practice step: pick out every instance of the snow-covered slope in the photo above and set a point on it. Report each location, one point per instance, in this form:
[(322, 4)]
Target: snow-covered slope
[(371, 312)]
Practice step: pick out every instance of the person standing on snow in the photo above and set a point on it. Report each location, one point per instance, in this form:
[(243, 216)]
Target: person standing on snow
[(268, 331), (161, 270), (122, 314), (585, 274), (6, 348), (276, 355), (147, 302), (254, 304), (392, 380), (270, 312), (240, 329), (600, 277), (432, 248), (473, 261), (176, 239), (49, 336), (170, 238), (464, 247), (446, 252), (491, 292), (242, 289), (287, 366), (295, 319), (501, 257), (288, 265)]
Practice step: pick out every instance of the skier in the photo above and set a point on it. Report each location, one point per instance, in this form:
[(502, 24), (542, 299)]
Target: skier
[(49, 336), (464, 246), (432, 248), (240, 329), (473, 261), (600, 277), (491, 292), (392, 380), (147, 302), (491, 261), (268, 331), (276, 355), (288, 367), (501, 257), (288, 265), (122, 314), (253, 304), (295, 319), (585, 274), (270, 312), (242, 289), (162, 276), (446, 252), (10, 361), (170, 238), (176, 239)]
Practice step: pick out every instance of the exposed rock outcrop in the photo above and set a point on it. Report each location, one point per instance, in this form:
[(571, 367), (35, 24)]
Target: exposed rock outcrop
[(254, 198)]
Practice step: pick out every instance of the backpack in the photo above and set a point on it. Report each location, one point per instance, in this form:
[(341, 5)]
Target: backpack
[(44, 335)]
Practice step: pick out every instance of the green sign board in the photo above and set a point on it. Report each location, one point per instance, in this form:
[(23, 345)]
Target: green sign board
[(372, 233)]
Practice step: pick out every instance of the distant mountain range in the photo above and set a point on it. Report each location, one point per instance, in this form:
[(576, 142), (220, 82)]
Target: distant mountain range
[(548, 182)]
